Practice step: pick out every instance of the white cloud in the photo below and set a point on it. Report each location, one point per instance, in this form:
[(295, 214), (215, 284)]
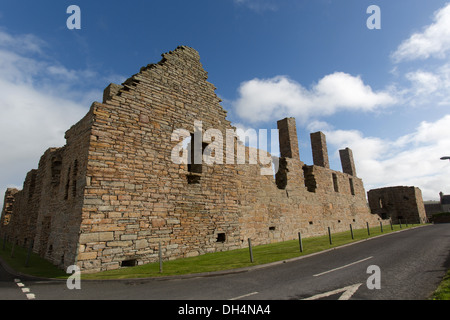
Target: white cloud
[(428, 87), (317, 125), (423, 81), (39, 100), (410, 160), (433, 41), (261, 100), (26, 43)]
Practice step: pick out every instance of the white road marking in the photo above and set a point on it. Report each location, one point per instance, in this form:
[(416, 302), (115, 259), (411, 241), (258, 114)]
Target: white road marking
[(30, 296), (245, 295), (347, 293), (350, 292), (347, 265)]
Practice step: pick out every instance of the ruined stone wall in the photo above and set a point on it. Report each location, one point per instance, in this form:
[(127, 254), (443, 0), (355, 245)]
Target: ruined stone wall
[(136, 196), (309, 200), (59, 219), (7, 211), (22, 220), (47, 211), (113, 192), (399, 203)]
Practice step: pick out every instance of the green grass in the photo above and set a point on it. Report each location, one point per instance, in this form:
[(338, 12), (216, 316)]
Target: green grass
[(210, 262), (443, 291), (36, 265)]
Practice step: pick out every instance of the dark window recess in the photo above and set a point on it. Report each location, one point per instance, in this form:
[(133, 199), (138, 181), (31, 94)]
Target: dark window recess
[(272, 228), (221, 237), (56, 171), (193, 179), (32, 185), (129, 263), (192, 166), (310, 180), (74, 178), (310, 222), (335, 183), (352, 189), (281, 174), (66, 193)]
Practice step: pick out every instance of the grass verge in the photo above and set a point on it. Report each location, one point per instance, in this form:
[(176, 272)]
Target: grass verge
[(36, 265), (443, 291), (210, 262)]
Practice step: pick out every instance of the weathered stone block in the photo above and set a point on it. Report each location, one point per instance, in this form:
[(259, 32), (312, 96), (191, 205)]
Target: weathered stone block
[(119, 243), (140, 244), (87, 256)]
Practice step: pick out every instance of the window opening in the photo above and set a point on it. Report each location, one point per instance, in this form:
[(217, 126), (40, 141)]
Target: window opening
[(335, 183), (221, 237), (352, 190), (129, 263)]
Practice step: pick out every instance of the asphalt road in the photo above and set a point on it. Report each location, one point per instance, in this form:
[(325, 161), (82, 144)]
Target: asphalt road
[(410, 266)]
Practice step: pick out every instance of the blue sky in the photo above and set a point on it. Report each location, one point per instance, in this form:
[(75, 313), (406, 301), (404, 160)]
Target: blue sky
[(383, 93)]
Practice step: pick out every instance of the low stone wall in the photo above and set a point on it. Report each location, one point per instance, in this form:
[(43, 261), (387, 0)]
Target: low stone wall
[(441, 218)]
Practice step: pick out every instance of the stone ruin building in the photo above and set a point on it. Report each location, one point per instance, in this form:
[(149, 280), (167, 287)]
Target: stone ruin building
[(399, 204), (110, 195)]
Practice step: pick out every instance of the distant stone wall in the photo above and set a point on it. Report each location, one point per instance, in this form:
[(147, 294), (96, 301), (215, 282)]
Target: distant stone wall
[(47, 211), (401, 204), (441, 218), (7, 210), (432, 207)]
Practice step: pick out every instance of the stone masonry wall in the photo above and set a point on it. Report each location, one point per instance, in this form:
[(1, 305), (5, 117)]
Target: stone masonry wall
[(47, 211), (136, 196), (113, 192), (310, 199), (401, 204), (7, 210)]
